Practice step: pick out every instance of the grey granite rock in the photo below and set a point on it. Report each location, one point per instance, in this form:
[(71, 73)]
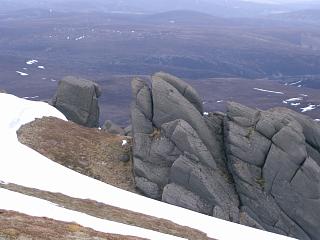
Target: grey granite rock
[(77, 99), (185, 89), (277, 180), (148, 188), (170, 105), (253, 167), (179, 196)]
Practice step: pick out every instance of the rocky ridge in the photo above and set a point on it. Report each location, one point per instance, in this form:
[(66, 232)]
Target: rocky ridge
[(257, 168)]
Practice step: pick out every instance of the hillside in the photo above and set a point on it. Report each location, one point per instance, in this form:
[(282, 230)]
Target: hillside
[(112, 48), (50, 190)]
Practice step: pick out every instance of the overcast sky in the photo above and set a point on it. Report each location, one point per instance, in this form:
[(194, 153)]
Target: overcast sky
[(278, 1)]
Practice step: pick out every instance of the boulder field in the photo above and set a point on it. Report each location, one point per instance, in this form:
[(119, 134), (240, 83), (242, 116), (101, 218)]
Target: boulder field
[(253, 167)]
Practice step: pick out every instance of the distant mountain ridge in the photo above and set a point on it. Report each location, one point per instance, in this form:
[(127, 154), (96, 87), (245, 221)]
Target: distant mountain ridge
[(231, 8), (308, 16)]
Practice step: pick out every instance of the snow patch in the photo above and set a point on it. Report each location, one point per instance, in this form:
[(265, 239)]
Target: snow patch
[(294, 99), (79, 38), (308, 108), (33, 61), (34, 97), (22, 73), (295, 104), (269, 91), (41, 67), (205, 113), (124, 142), (294, 83)]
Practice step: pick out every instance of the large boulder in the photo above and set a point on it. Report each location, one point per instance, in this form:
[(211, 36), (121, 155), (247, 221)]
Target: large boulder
[(77, 99)]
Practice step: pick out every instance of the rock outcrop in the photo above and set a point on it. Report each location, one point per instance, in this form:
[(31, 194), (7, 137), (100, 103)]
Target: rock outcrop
[(257, 168), (176, 156), (77, 99), (274, 160)]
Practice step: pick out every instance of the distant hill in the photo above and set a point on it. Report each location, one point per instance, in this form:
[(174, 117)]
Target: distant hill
[(308, 16), (185, 17), (230, 8)]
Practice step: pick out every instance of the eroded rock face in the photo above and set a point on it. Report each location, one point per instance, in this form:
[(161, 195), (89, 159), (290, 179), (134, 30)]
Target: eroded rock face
[(257, 168), (176, 158), (274, 159), (77, 99)]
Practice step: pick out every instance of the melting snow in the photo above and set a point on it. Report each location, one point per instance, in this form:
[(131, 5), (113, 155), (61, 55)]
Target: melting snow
[(263, 90), (303, 95), (30, 62), (50, 176), (220, 101), (22, 73), (309, 108)]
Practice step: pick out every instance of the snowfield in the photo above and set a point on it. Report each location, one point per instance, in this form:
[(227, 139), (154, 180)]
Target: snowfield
[(39, 208), (47, 175)]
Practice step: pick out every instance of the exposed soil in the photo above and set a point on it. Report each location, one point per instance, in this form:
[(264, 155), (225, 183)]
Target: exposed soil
[(89, 151), (15, 225), (108, 212)]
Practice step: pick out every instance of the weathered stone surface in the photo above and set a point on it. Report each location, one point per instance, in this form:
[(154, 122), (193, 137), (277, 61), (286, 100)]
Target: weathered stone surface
[(77, 99), (258, 168), (187, 140), (169, 105), (111, 127), (148, 188), (185, 89), (277, 180), (179, 196), (128, 130)]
